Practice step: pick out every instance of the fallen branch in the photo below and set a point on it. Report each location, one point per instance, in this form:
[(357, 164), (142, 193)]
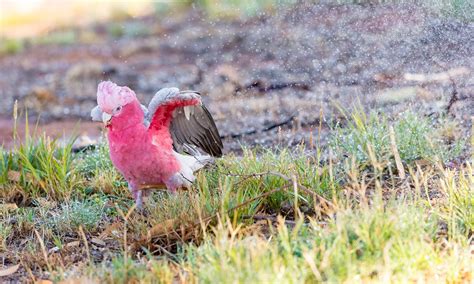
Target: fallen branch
[(268, 128), (288, 121), (262, 87)]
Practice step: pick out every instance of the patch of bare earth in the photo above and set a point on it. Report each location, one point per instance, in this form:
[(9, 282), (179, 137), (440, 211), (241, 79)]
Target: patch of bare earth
[(271, 72)]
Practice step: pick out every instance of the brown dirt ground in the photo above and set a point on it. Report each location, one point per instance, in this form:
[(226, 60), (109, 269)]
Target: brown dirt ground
[(257, 73)]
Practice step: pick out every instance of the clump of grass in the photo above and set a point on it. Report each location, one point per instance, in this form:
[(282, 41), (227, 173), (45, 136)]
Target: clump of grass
[(211, 233), (461, 9), (458, 207), (73, 214), (37, 166), (66, 37), (304, 167), (128, 29), (363, 242), (40, 167), (231, 8), (246, 180), (146, 270), (90, 161), (5, 231), (97, 169), (5, 165), (10, 46), (378, 242), (366, 138)]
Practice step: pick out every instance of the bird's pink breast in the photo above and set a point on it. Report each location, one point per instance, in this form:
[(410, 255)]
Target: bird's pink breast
[(141, 158)]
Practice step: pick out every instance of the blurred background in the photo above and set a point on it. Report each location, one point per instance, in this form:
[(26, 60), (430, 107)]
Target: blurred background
[(271, 72)]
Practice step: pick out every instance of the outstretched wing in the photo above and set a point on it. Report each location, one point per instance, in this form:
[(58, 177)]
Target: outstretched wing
[(189, 122)]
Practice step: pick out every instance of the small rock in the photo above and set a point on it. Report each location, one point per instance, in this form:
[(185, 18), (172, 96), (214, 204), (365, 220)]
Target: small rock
[(98, 242), (393, 96)]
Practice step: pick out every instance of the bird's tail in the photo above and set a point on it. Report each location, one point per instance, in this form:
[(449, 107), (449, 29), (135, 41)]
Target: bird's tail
[(190, 164)]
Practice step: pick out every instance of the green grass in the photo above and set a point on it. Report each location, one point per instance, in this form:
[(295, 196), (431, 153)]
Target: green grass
[(9, 46), (128, 29), (353, 244), (96, 168), (257, 217), (39, 167), (5, 231), (397, 241), (232, 8), (458, 207), (76, 213), (65, 37), (367, 138), (460, 9)]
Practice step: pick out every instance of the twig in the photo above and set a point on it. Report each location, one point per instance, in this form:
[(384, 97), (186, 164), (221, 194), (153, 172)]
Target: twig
[(86, 245), (125, 219), (454, 93), (43, 249), (28, 270), (262, 87), (288, 121), (398, 160), (254, 131)]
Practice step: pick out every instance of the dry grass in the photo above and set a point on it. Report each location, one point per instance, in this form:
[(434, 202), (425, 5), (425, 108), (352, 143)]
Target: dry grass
[(284, 216)]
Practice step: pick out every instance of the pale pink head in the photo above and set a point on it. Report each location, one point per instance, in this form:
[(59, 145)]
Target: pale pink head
[(111, 98)]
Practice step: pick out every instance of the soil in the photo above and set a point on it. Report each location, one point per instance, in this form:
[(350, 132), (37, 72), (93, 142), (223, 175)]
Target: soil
[(267, 79)]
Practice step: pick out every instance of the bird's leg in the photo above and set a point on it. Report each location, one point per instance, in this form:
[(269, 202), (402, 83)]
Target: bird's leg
[(173, 183), (137, 195)]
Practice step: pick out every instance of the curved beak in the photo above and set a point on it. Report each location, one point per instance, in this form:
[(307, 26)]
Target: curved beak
[(106, 118)]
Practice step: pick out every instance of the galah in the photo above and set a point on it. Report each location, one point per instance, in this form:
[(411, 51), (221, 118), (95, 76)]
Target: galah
[(157, 146)]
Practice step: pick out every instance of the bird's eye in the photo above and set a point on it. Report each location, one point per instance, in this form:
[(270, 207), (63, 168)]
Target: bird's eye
[(119, 108)]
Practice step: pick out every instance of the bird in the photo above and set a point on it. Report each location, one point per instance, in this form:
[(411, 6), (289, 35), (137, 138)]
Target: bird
[(159, 146)]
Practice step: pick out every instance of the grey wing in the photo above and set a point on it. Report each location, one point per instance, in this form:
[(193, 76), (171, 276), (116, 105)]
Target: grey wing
[(190, 126), (146, 119), (194, 126)]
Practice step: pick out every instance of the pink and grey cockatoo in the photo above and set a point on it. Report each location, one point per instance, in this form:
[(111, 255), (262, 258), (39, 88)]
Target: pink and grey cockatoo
[(157, 145)]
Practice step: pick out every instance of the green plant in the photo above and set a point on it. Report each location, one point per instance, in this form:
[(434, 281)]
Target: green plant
[(96, 167), (77, 213), (5, 165), (458, 208), (10, 46), (5, 231), (233, 8), (65, 37), (41, 167), (396, 241), (367, 138), (128, 29)]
